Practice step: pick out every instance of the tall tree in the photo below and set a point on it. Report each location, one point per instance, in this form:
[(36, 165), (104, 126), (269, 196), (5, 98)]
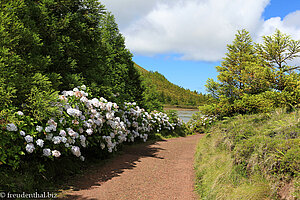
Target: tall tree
[(278, 49), (242, 71), (65, 43)]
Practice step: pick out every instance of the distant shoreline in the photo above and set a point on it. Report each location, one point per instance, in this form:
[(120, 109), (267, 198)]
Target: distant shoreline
[(180, 107)]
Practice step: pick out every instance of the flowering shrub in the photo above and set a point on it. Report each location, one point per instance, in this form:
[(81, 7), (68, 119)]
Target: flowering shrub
[(81, 123), (199, 122)]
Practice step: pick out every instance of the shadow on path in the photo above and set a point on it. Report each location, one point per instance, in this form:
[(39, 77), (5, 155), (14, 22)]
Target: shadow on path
[(98, 174)]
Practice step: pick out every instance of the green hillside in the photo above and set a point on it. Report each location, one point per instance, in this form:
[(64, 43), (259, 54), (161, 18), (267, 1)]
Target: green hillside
[(168, 93)]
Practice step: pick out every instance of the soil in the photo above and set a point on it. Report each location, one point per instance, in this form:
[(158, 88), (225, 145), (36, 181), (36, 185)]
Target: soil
[(159, 170)]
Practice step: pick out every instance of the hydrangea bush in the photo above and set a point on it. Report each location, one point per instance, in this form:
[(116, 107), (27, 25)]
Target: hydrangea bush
[(81, 123)]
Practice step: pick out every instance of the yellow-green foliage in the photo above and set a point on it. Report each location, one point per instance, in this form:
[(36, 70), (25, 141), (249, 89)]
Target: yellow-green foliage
[(255, 78), (250, 157)]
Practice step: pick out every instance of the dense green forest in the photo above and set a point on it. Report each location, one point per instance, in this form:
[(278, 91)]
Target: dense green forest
[(51, 46), (159, 89)]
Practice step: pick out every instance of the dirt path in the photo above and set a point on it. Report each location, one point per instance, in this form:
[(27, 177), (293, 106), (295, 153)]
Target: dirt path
[(163, 170)]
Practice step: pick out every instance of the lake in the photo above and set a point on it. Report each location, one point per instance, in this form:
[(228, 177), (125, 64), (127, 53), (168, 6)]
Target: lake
[(186, 115)]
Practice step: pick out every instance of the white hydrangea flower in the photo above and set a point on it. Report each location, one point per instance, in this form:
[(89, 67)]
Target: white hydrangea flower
[(30, 148), (48, 129), (75, 122), (71, 132), (40, 142), (89, 131), (63, 139), (22, 133), (28, 138), (68, 93), (49, 136), (84, 99), (62, 133), (115, 106), (39, 128), (20, 113), (112, 135), (109, 106), (82, 158), (76, 151), (82, 138), (102, 145), (46, 152), (74, 112), (103, 99), (109, 115), (11, 127), (83, 144), (83, 87), (95, 102), (56, 153), (63, 98), (85, 94), (56, 140), (52, 122), (78, 94)]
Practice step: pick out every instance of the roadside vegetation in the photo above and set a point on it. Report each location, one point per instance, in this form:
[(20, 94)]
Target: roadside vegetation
[(256, 78), (251, 149), (48, 130), (251, 157)]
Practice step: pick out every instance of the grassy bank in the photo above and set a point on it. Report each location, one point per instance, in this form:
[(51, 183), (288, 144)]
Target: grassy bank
[(250, 157)]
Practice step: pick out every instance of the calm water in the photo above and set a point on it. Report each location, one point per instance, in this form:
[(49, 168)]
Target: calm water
[(186, 115)]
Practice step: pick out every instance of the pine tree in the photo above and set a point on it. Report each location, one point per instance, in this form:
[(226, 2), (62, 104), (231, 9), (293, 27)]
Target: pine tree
[(242, 70), (278, 49)]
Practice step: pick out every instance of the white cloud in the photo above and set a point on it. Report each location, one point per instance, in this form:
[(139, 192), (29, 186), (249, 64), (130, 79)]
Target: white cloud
[(127, 11), (290, 25), (193, 29)]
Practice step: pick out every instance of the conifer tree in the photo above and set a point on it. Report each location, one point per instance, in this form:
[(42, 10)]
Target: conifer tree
[(278, 49), (242, 70)]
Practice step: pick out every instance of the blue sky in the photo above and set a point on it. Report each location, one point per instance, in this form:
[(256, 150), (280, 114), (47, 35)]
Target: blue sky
[(185, 40)]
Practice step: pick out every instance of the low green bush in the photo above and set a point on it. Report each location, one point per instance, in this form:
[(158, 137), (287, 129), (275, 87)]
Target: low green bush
[(251, 104)]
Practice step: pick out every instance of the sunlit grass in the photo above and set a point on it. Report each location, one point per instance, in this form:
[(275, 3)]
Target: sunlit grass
[(249, 157)]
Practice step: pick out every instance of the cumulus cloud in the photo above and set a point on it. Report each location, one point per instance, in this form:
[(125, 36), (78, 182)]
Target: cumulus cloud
[(290, 25), (127, 11), (193, 29)]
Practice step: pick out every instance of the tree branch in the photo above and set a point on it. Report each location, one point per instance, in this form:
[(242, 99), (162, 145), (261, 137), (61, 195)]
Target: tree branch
[(293, 68)]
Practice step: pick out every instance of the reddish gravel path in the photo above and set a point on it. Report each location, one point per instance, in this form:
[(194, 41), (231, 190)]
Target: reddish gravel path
[(163, 170)]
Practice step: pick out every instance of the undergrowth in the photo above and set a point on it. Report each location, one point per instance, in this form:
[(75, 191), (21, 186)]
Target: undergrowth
[(250, 157)]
